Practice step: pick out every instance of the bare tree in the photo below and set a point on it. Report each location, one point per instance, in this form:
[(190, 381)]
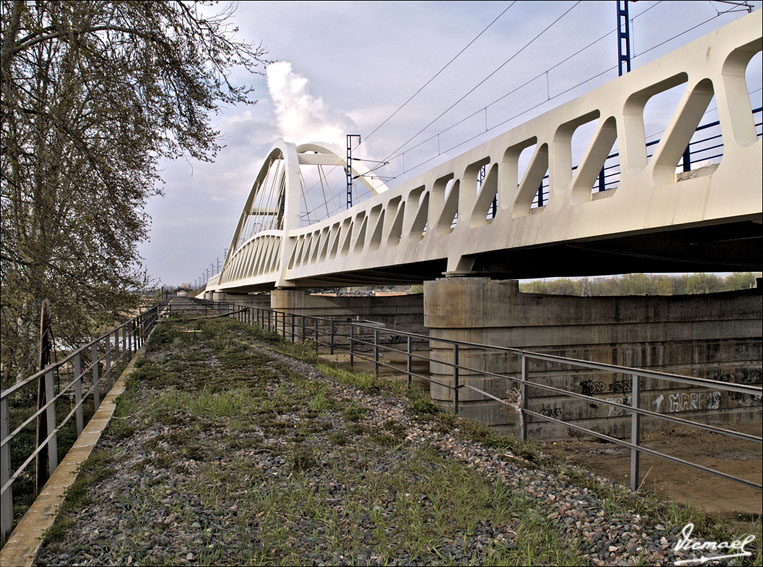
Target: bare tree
[(94, 94)]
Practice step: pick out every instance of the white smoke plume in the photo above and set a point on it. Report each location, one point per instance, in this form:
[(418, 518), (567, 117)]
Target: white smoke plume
[(302, 117)]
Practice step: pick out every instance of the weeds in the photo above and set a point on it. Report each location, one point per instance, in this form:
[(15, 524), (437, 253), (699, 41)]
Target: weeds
[(294, 478)]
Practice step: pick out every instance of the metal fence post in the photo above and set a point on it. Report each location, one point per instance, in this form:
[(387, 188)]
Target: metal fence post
[(291, 315), (78, 392), (455, 378), (317, 338), (125, 354), (376, 351), (116, 351), (523, 401), (331, 339), (6, 498), (107, 362), (635, 431), (352, 344), (50, 416), (409, 364), (96, 378)]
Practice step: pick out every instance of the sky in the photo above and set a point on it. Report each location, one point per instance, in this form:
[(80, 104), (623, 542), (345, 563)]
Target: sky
[(345, 67)]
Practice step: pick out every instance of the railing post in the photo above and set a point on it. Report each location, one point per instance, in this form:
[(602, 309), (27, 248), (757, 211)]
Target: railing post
[(352, 344), (635, 431), (291, 315), (6, 497), (331, 339), (523, 399), (409, 364), (78, 392), (116, 351), (125, 354), (107, 362), (317, 338), (687, 158), (376, 351), (50, 417), (456, 385), (96, 378)]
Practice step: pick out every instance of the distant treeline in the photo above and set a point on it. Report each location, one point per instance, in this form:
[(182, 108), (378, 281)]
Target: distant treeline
[(642, 284)]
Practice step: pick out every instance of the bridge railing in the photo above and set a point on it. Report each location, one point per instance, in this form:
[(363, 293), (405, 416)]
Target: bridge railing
[(81, 379), (697, 151), (398, 351)]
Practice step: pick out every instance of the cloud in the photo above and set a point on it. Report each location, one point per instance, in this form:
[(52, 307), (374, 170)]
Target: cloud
[(302, 117)]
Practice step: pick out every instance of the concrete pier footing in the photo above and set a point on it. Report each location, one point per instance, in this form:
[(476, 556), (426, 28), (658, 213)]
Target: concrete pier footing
[(716, 336)]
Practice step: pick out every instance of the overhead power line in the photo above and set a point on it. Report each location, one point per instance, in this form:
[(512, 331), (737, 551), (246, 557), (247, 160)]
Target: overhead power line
[(410, 98), (527, 82), (556, 95), (475, 87)]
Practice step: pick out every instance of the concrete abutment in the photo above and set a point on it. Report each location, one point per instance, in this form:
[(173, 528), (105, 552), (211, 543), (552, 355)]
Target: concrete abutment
[(715, 336)]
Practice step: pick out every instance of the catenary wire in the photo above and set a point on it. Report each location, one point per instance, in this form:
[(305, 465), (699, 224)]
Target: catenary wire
[(475, 87), (653, 47), (410, 98)]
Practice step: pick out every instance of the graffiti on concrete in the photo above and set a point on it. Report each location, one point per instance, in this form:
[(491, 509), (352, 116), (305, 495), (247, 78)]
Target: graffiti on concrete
[(751, 376), (591, 387), (613, 410), (621, 386), (550, 411), (677, 401), (682, 401)]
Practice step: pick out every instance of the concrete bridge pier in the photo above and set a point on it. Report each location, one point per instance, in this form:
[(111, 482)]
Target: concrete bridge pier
[(472, 310), (714, 336), (261, 300), (402, 312)]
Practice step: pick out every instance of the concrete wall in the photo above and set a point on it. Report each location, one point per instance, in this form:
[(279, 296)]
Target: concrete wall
[(715, 336), (261, 300), (404, 312)]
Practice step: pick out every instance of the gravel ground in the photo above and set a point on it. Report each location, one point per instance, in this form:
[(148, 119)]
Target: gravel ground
[(184, 489)]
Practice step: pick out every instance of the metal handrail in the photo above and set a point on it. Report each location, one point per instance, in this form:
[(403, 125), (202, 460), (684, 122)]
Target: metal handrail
[(118, 345), (277, 322)]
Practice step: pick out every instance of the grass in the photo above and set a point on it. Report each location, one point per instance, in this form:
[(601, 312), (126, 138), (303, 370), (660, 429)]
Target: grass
[(206, 411)]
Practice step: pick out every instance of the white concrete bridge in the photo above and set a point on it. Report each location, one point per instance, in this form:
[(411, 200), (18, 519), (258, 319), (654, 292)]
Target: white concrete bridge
[(477, 214)]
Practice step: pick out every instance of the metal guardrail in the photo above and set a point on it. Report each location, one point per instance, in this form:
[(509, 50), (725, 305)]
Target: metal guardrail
[(90, 366), (696, 151), (369, 341)]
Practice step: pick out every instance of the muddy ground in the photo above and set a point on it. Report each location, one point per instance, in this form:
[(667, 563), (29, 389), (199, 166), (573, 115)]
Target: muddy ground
[(700, 489)]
